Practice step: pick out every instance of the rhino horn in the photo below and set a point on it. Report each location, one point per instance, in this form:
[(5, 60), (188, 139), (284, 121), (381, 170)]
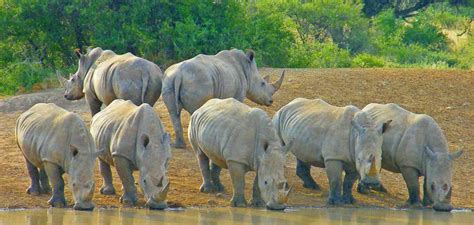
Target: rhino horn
[(373, 169), (164, 191), (61, 79), (455, 154), (277, 83)]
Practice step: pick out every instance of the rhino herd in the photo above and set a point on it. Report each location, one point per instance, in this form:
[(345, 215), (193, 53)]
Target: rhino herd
[(350, 143)]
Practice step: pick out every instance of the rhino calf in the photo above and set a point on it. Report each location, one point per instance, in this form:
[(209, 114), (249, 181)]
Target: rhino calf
[(234, 136), (416, 146), (337, 138), (103, 76), (56, 141), (228, 74), (134, 139)]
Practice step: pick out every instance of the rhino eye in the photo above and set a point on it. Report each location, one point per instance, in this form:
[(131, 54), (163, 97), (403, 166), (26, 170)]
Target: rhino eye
[(266, 182), (445, 187), (432, 187), (262, 84)]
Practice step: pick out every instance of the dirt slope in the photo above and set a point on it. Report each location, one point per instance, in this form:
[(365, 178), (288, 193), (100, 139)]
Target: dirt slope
[(446, 95)]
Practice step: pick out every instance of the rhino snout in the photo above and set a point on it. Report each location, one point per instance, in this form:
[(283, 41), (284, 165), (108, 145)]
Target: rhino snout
[(152, 204), (272, 205), (79, 205), (443, 207), (370, 181)]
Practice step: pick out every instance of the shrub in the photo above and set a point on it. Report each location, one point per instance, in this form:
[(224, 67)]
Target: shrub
[(365, 60), (22, 76), (319, 55)]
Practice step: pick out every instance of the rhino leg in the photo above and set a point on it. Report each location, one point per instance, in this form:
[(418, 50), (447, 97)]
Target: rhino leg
[(54, 173), (410, 175), (107, 187), (125, 172), (34, 188), (44, 182), (303, 171), (349, 179), (334, 173), (175, 114), (94, 104), (256, 200), (426, 198), (215, 177), (237, 174), (207, 186)]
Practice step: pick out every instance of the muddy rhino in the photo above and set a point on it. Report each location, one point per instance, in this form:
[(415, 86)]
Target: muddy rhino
[(228, 74), (56, 141), (239, 138), (336, 138), (415, 146), (134, 139), (103, 76)]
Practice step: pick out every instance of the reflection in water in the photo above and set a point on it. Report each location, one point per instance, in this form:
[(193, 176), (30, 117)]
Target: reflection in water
[(223, 216)]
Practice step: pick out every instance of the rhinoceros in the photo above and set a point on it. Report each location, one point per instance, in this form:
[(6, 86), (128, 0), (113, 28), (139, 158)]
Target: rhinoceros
[(228, 74), (134, 139), (336, 138), (415, 146), (103, 76), (56, 141), (239, 138)]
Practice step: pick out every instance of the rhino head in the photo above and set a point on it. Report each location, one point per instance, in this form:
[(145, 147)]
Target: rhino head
[(152, 160), (260, 89), (367, 143), (439, 177), (272, 183), (82, 156), (75, 84)]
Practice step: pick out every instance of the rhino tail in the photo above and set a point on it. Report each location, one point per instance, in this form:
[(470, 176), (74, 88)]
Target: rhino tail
[(177, 88), (145, 78)]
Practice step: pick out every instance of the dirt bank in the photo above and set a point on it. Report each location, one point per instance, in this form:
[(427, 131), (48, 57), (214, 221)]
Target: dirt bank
[(446, 95)]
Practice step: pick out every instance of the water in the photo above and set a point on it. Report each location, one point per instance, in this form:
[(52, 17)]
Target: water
[(239, 216)]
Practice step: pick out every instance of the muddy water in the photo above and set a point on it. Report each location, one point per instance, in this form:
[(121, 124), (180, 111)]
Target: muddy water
[(224, 216)]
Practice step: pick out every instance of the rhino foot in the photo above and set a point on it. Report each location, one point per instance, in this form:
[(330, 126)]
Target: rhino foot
[(257, 202), (207, 188), (334, 201), (238, 202), (107, 190), (412, 205), (312, 185), (179, 145), (348, 199), (58, 202), (128, 200), (33, 191), (219, 187)]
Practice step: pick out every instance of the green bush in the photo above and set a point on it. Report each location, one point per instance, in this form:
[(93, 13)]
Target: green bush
[(365, 60), (319, 55), (426, 35), (22, 76)]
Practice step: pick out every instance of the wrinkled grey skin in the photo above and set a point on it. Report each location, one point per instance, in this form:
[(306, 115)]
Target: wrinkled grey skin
[(56, 141), (228, 74), (104, 76), (415, 146), (134, 139), (234, 136), (337, 138)]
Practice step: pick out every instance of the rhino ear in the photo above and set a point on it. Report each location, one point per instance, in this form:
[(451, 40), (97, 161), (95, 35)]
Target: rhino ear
[(250, 54), (61, 79), (357, 126), (384, 126), (165, 139), (267, 78), (455, 154), (430, 153), (78, 53)]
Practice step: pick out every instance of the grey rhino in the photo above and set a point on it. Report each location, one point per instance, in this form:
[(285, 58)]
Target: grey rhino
[(415, 146), (103, 76), (228, 74), (134, 139), (234, 136), (57, 141), (337, 138)]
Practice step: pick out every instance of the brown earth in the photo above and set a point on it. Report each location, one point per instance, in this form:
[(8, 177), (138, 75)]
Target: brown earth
[(446, 95)]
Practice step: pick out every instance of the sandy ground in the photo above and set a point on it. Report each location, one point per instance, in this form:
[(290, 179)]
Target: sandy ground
[(446, 95)]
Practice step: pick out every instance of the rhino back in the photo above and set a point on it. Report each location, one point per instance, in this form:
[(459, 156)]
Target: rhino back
[(321, 131), (44, 133), (224, 131), (407, 135), (124, 77), (117, 127)]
